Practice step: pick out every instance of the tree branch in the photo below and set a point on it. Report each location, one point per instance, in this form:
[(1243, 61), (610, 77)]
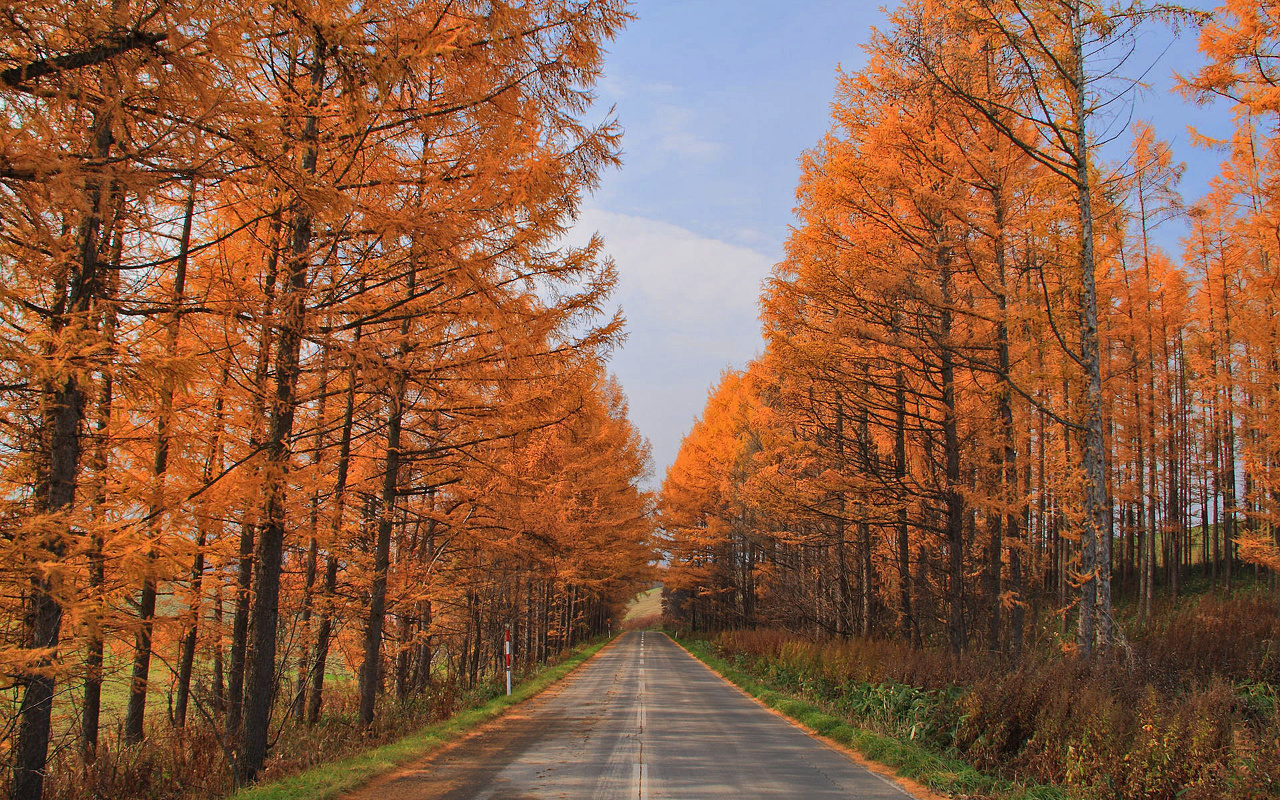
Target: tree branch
[(15, 77)]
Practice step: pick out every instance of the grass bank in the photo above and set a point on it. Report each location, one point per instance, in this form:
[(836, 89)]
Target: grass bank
[(908, 759), (646, 604), (1185, 707), (330, 780)]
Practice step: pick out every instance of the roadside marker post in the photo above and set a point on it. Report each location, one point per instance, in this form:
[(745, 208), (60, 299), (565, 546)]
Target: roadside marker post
[(507, 648)]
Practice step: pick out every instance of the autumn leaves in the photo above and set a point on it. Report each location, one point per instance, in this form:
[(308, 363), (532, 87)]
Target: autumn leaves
[(987, 393), (292, 354)]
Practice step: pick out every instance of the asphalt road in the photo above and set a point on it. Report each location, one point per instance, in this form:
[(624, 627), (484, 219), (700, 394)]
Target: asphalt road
[(642, 720)]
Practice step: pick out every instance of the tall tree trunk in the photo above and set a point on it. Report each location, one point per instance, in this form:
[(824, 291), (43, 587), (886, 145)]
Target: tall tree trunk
[(249, 524), (260, 679), (187, 648), (299, 708), (218, 689), (324, 633), (91, 707), (1229, 439), (43, 619), (62, 401), (866, 572), (324, 630), (1007, 521), (386, 521), (382, 558), (260, 682), (844, 601), (1095, 588), (904, 531), (135, 714), (240, 626), (957, 635)]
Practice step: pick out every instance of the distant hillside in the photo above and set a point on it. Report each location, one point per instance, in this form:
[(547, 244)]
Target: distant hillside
[(647, 604)]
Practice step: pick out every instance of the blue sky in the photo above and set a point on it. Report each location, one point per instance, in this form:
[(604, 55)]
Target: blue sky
[(719, 98)]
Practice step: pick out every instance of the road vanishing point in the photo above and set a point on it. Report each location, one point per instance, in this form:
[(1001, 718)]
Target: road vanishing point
[(641, 720)]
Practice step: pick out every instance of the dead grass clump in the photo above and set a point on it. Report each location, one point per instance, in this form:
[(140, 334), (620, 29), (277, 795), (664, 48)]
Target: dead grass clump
[(1189, 709)]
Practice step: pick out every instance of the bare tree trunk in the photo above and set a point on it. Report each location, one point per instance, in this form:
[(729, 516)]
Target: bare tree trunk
[(186, 658), (249, 525), (240, 628), (1007, 458), (135, 714), (62, 401), (382, 549), (382, 562), (957, 635), (299, 709), (1095, 589), (341, 468), (904, 532), (260, 683), (91, 707), (218, 689), (260, 679)]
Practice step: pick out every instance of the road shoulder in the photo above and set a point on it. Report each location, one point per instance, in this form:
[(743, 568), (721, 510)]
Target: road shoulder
[(736, 680), (354, 777)]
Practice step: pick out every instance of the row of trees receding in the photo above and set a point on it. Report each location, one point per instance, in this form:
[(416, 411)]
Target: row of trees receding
[(296, 373), (988, 396)]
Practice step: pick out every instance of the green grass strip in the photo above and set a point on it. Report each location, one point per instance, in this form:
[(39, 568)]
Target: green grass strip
[(330, 780), (937, 771)]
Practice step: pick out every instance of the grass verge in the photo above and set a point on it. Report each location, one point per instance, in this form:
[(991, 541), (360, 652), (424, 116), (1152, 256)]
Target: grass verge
[(936, 771), (330, 780)]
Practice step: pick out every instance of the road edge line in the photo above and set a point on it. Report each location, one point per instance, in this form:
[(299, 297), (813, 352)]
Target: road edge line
[(352, 773), (911, 787)]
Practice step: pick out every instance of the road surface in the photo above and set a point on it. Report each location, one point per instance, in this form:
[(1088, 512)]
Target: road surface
[(641, 720)]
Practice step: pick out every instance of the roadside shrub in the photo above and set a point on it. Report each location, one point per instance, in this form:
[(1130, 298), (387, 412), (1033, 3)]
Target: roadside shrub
[(1189, 709), (1189, 641)]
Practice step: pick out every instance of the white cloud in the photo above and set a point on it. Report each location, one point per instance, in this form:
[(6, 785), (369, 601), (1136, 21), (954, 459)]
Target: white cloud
[(703, 289), (691, 307), (674, 127)]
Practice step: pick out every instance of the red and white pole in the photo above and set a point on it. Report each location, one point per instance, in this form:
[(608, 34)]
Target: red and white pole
[(507, 647)]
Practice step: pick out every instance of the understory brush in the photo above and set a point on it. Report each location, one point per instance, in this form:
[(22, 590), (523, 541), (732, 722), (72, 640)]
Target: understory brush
[(191, 763), (1188, 709)]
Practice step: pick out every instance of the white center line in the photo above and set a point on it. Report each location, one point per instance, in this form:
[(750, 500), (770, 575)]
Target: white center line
[(641, 773)]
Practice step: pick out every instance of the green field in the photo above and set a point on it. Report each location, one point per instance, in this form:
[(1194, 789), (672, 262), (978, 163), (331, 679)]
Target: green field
[(647, 604), (115, 691)]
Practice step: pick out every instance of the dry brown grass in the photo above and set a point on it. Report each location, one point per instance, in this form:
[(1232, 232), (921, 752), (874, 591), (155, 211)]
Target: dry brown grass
[(1189, 708)]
